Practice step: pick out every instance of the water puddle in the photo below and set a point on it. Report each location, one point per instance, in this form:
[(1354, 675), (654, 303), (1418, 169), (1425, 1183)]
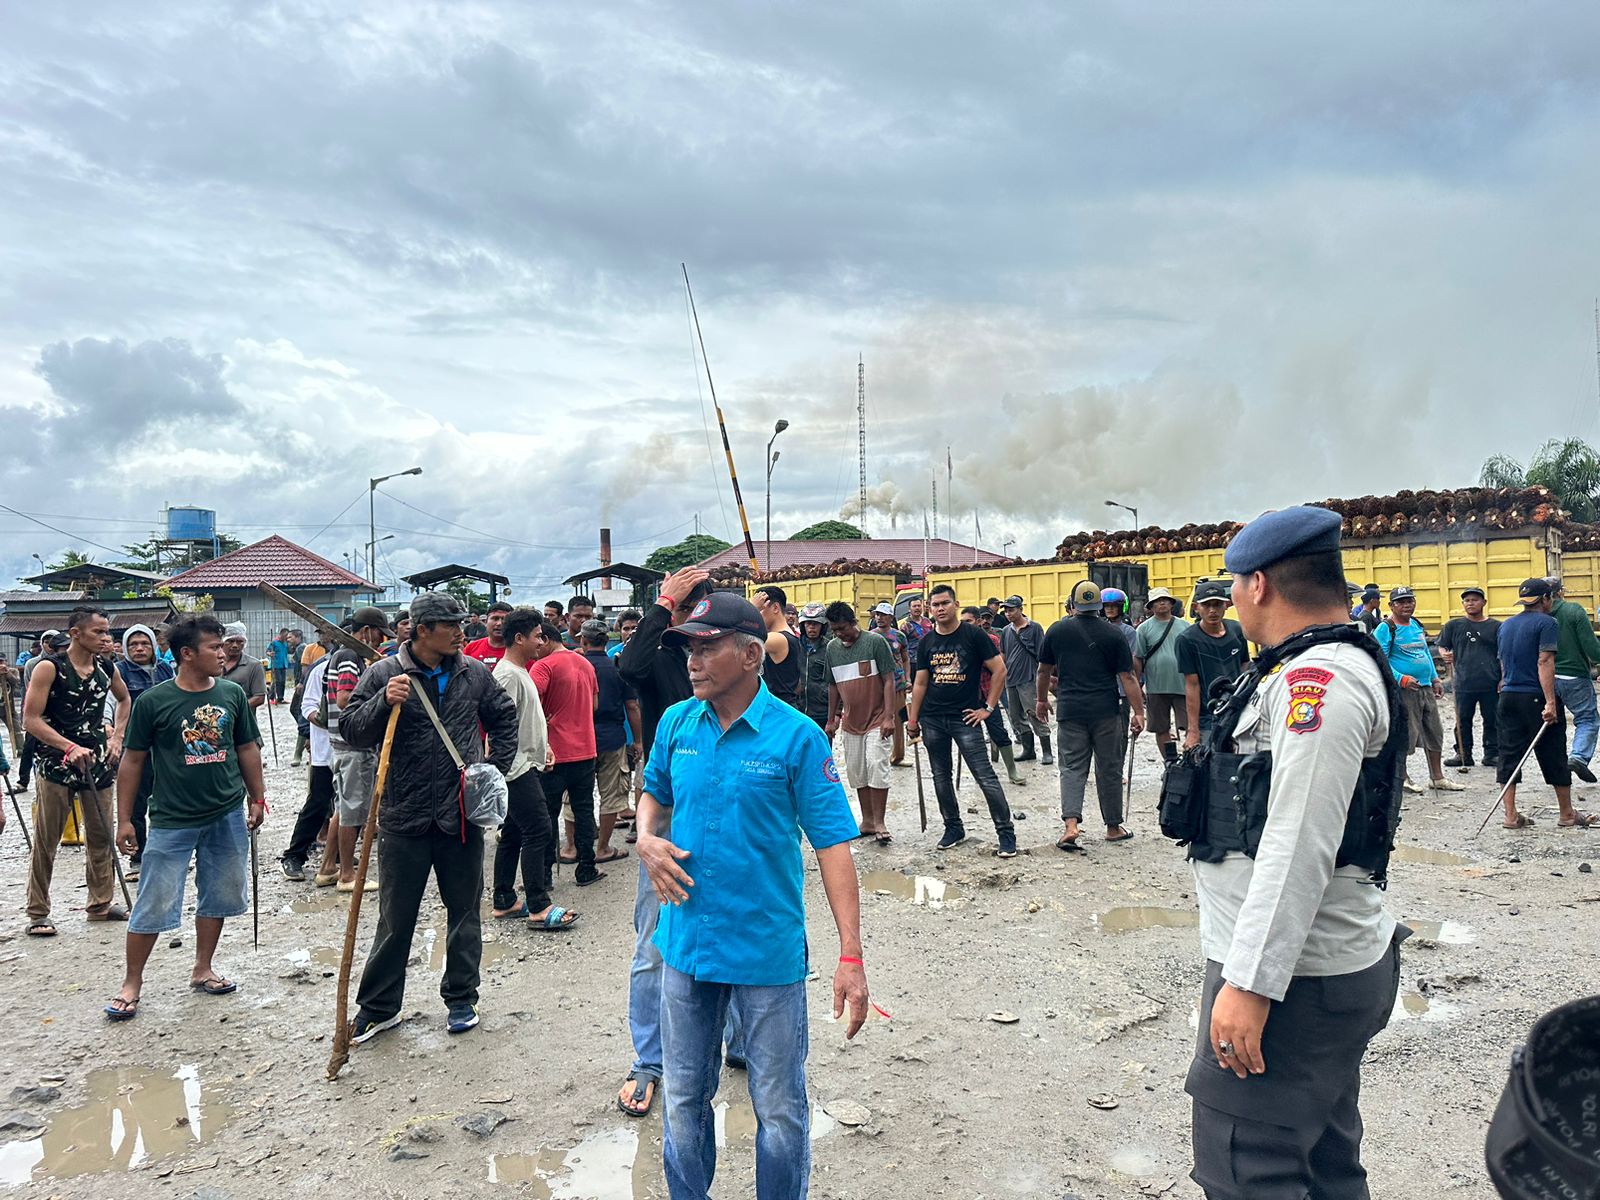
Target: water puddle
[(919, 889), (321, 900), (133, 1116), (1414, 1006), (736, 1122), (433, 945), (320, 956), (1434, 858), (1446, 933), (610, 1165), (1125, 920)]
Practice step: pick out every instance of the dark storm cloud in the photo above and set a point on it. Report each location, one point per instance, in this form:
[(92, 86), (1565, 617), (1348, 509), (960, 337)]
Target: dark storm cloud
[(111, 392)]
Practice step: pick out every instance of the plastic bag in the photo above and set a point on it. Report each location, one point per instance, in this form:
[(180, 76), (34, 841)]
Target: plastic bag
[(485, 796)]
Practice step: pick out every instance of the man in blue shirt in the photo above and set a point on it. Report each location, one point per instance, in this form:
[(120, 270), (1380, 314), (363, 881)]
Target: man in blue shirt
[(741, 775), (1527, 646), (1405, 643), (278, 660)]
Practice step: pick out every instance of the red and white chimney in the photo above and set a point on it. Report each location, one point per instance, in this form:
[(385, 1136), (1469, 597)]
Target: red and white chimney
[(605, 556)]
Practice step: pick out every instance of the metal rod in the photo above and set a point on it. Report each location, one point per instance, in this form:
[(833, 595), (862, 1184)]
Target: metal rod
[(1512, 781), (15, 804)]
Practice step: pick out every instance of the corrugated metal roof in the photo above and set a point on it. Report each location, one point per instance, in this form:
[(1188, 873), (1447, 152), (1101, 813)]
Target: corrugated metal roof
[(275, 560), (33, 624), (786, 553)]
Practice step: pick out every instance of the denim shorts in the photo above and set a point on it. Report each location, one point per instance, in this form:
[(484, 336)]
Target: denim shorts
[(221, 851)]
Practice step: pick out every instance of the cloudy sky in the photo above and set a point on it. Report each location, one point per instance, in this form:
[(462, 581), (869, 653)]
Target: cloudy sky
[(1204, 259)]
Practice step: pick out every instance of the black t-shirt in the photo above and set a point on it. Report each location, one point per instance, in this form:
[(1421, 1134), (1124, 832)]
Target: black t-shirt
[(954, 662), (783, 678), (1475, 645), (611, 714), (1212, 658), (1088, 653)]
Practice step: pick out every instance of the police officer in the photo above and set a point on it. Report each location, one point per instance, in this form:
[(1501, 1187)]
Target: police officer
[(1303, 961)]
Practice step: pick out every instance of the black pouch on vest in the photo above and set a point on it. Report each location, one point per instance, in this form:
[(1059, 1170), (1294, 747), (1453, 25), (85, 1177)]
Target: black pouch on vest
[(1184, 788), (1250, 798)]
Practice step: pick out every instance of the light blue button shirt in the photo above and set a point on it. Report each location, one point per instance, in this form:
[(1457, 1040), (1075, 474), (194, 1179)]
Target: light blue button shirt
[(740, 800)]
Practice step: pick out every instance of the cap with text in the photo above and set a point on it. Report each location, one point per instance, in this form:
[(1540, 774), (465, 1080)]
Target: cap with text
[(718, 615), (1401, 593)]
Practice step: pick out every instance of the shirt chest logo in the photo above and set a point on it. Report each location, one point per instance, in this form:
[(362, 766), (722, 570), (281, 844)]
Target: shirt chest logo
[(1308, 688)]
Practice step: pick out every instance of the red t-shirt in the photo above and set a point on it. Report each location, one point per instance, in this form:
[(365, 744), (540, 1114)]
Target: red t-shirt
[(485, 653), (567, 689)]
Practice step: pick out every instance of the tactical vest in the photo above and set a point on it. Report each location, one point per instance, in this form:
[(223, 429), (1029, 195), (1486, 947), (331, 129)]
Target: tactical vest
[(1215, 800)]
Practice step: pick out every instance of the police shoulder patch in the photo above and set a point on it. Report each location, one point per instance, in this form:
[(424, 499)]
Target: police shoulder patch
[(1308, 688), (830, 770)]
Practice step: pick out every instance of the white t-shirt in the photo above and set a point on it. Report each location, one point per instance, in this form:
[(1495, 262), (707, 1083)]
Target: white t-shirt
[(310, 702), (531, 729)]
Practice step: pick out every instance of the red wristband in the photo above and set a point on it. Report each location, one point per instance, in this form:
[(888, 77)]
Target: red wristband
[(668, 603), (856, 961)]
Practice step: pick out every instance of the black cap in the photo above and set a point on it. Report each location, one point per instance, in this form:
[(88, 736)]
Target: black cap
[(57, 640), (369, 618), (1213, 589), (1533, 589), (718, 615)]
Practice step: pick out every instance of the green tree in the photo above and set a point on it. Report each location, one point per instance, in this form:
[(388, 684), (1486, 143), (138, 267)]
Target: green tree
[(463, 591), (694, 548), (828, 531), (1569, 467), (153, 555)]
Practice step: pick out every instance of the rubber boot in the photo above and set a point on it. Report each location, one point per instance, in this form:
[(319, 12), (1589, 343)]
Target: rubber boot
[(1044, 742), (1014, 775), (300, 749), (1026, 737)]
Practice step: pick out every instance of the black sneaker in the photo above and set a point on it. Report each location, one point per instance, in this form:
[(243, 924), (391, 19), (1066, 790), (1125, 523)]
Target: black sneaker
[(364, 1028), (1581, 769), (954, 835), (1008, 846), (460, 1018), (293, 870), (1458, 762)]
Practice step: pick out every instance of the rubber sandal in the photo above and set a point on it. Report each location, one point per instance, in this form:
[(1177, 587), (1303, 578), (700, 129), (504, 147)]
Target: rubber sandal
[(502, 914), (617, 852), (41, 929), (122, 1010), (111, 912), (1069, 844), (595, 878), (554, 921), (1579, 821), (1523, 821), (214, 986), (639, 1084), (885, 839), (1125, 836)]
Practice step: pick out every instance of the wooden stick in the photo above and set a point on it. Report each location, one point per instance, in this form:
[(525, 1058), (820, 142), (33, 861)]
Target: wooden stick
[(341, 1034)]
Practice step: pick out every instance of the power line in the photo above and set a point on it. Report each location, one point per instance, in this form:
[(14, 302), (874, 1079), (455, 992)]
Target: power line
[(57, 529)]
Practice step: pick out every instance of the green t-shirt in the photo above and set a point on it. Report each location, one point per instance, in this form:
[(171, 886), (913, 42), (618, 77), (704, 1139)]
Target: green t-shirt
[(1162, 674), (193, 740)]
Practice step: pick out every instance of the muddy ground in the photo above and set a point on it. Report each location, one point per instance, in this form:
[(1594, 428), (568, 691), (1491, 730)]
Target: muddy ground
[(227, 1097)]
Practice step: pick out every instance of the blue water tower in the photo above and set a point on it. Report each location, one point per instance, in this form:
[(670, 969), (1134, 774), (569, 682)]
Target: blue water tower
[(191, 524)]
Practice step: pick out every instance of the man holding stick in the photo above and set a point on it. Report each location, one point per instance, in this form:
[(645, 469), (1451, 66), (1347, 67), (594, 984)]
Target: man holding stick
[(200, 733), (422, 827)]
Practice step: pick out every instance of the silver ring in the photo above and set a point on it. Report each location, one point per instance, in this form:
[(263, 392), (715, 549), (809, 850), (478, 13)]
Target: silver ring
[(1225, 1049)]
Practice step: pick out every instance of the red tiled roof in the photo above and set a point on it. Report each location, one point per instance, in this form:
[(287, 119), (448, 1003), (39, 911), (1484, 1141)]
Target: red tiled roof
[(805, 554), (275, 560)]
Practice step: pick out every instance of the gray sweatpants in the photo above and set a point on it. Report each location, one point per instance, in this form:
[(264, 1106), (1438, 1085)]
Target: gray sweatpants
[(1020, 701), (1076, 744)]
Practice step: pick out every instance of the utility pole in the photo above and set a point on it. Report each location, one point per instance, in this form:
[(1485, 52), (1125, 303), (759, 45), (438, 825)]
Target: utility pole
[(861, 436), (935, 482), (1597, 344)]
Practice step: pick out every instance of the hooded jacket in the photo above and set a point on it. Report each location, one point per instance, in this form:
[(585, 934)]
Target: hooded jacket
[(423, 789), (141, 679)]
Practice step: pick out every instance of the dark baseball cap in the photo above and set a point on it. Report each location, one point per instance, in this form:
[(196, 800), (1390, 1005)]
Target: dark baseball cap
[(56, 640), (369, 617), (1533, 590), (1402, 592), (1012, 602), (1473, 589), (718, 615)]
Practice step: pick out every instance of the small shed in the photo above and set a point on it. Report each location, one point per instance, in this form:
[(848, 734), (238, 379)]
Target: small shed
[(99, 579), (642, 578), (431, 578)]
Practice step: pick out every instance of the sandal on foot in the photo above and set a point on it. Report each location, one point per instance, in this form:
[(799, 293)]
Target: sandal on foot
[(1125, 836), (1522, 822), (885, 838), (122, 1010), (585, 881), (616, 853), (214, 986), (640, 1095), (1580, 820), (562, 858), (501, 914), (554, 920), (41, 929), (111, 912), (1069, 844)]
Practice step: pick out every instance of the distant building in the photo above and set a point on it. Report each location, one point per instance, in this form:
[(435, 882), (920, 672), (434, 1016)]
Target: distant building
[(28, 614), (233, 582), (940, 552)]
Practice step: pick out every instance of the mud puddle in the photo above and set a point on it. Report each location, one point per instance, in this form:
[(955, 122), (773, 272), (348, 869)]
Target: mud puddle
[(321, 900), (919, 889), (613, 1164), (1126, 920), (1414, 1006), (736, 1122), (1435, 858), (133, 1116)]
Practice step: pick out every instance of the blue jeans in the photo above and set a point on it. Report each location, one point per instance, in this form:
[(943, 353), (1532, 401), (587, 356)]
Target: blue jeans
[(938, 734), (221, 854), (1577, 697), (644, 989), (693, 1016)]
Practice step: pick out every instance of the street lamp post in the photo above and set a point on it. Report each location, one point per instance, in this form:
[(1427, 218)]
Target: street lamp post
[(1128, 507), (772, 461), (372, 525)]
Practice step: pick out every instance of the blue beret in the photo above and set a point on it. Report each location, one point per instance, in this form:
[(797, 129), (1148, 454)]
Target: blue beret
[(1287, 533)]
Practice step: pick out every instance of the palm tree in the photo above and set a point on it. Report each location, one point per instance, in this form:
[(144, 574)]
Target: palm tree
[(1569, 467)]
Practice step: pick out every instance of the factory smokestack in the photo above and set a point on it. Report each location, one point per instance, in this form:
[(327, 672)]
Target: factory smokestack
[(605, 555)]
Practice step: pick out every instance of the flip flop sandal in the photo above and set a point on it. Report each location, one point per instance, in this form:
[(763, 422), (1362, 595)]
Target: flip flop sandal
[(1579, 821), (885, 839), (1070, 845), (503, 914), (595, 878), (633, 835), (41, 929), (214, 986), (1522, 822), (639, 1085), (554, 921), (616, 853), (112, 912), (1126, 836), (562, 858), (122, 1010)]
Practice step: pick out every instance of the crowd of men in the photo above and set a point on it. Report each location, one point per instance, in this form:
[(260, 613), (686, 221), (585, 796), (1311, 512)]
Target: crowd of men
[(637, 737)]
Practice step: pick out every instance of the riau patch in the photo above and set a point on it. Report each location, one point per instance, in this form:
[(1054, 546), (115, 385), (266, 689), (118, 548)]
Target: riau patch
[(1308, 688), (830, 770)]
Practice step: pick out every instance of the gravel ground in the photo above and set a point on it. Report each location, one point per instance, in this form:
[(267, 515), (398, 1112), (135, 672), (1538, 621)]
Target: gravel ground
[(227, 1097)]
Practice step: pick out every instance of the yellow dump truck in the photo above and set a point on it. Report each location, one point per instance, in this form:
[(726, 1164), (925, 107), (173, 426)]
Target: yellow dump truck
[(862, 591)]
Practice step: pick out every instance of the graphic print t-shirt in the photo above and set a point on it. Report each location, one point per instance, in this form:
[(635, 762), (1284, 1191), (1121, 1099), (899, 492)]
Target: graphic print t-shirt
[(954, 662), (193, 740)]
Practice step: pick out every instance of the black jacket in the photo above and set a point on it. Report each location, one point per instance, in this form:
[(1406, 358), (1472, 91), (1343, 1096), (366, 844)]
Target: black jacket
[(660, 674), (424, 788)]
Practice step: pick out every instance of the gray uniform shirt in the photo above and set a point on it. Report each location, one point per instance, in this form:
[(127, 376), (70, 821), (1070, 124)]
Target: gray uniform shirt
[(249, 674), (1021, 651), (1289, 912)]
